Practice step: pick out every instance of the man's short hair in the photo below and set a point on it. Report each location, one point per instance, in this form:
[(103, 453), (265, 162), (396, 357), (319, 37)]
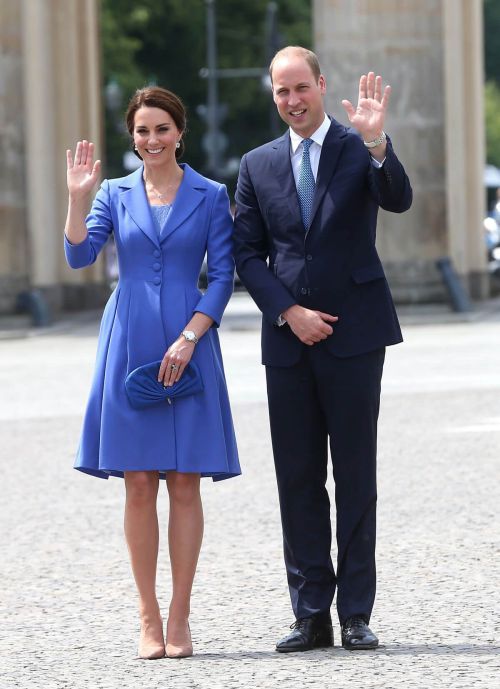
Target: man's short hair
[(308, 55)]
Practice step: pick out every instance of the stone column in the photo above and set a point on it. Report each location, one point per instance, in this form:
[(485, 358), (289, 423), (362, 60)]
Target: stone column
[(40, 142), (414, 45), (78, 115), (465, 141), (62, 104), (14, 263)]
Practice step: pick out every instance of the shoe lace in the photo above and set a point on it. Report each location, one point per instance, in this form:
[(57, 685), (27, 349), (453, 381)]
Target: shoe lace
[(298, 624), (355, 623)]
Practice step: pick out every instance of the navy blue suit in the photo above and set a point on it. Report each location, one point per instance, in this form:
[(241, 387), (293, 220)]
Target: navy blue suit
[(330, 390)]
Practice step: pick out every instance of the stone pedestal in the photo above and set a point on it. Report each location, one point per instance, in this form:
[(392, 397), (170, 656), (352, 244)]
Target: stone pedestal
[(430, 51)]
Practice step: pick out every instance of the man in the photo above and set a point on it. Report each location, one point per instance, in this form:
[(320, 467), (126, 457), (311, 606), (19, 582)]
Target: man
[(305, 226)]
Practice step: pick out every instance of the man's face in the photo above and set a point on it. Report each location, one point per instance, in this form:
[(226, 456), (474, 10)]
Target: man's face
[(297, 94)]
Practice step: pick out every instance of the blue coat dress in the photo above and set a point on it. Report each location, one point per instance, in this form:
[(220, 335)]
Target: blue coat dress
[(155, 298)]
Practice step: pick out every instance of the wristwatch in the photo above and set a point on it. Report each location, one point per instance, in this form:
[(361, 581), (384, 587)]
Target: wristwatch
[(376, 142), (190, 336)]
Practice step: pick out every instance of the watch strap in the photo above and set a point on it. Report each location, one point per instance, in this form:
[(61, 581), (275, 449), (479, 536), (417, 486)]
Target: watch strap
[(376, 142)]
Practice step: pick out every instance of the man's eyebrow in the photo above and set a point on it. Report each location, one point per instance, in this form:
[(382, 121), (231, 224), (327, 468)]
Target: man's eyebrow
[(285, 88)]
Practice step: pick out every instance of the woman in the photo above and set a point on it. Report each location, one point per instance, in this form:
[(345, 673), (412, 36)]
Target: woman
[(164, 217)]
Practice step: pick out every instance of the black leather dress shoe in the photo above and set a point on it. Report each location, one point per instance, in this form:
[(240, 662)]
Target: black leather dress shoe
[(307, 633), (357, 635)]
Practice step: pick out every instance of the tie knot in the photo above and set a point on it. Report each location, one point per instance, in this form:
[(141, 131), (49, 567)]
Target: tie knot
[(306, 143)]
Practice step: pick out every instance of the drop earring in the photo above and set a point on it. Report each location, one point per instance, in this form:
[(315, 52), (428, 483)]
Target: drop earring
[(177, 145)]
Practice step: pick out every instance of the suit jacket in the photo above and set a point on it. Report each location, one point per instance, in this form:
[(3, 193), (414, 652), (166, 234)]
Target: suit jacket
[(334, 266)]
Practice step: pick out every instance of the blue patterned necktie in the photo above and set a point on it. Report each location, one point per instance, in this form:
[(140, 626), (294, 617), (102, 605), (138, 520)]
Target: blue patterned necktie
[(306, 184)]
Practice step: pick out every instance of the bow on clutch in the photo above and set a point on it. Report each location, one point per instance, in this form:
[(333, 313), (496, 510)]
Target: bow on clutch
[(144, 390)]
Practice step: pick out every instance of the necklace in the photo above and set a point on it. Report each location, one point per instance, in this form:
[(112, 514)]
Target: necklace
[(157, 194), (153, 189)]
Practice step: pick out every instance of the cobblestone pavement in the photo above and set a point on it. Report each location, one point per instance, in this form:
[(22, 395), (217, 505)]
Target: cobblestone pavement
[(68, 606)]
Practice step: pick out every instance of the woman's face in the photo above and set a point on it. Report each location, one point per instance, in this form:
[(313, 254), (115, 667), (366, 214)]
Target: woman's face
[(155, 135)]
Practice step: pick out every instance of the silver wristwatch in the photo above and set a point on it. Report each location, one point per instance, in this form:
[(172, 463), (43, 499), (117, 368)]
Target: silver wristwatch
[(190, 336), (376, 142)]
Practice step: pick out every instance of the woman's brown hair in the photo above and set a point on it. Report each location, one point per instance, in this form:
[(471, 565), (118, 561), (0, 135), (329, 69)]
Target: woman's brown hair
[(158, 97)]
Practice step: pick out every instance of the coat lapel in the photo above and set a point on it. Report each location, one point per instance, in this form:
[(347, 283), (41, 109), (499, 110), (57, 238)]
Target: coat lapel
[(133, 196), (282, 166), (189, 196), (330, 152)]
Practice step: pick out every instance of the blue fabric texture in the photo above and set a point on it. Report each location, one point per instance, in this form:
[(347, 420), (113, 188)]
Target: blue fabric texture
[(160, 216), (156, 296), (144, 389), (306, 184)]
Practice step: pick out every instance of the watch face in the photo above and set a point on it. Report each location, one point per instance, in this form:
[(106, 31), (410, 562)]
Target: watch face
[(189, 335)]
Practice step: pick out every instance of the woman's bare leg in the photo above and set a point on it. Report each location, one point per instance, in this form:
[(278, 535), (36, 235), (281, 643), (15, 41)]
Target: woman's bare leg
[(141, 533), (185, 534)]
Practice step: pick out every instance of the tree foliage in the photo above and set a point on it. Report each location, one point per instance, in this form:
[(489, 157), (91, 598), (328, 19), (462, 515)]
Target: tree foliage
[(148, 41), (491, 42), (492, 88), (492, 120)]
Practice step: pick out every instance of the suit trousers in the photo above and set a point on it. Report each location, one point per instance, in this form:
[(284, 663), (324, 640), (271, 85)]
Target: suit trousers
[(319, 401)]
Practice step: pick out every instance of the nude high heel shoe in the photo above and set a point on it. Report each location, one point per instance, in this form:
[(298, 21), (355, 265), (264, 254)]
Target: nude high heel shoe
[(150, 649), (178, 643)]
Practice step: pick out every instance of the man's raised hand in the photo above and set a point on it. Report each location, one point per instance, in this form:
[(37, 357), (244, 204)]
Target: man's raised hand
[(369, 115)]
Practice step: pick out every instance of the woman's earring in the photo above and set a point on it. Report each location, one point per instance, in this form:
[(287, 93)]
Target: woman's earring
[(178, 145)]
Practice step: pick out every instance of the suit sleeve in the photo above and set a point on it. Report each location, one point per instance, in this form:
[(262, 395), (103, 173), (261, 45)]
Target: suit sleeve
[(390, 184), (220, 262), (251, 250), (99, 227)]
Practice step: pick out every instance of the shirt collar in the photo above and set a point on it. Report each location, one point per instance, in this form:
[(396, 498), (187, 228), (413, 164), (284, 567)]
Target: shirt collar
[(318, 136)]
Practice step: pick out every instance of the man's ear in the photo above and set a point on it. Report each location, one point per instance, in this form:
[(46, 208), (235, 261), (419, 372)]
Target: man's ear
[(322, 84)]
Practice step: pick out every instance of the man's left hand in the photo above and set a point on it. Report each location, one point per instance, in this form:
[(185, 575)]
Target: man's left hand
[(369, 115)]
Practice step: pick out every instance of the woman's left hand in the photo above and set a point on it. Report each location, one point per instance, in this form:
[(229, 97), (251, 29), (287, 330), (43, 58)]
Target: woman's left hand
[(176, 358)]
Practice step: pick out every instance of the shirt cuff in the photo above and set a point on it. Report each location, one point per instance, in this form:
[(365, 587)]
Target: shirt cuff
[(376, 163), (280, 321)]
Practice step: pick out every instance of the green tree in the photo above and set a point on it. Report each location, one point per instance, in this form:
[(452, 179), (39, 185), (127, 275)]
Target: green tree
[(492, 87), (492, 120), (491, 42), (146, 41)]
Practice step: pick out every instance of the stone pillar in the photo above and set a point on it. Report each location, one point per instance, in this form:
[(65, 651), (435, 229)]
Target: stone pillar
[(40, 142), (465, 141), (76, 57), (61, 87), (430, 51), (14, 263)]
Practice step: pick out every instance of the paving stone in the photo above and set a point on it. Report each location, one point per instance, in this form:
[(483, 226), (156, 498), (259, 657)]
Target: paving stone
[(68, 600)]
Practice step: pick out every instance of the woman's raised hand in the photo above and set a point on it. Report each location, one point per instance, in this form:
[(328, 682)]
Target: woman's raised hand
[(82, 173)]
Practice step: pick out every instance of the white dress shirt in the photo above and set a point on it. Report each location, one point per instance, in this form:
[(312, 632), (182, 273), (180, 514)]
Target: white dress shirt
[(314, 151)]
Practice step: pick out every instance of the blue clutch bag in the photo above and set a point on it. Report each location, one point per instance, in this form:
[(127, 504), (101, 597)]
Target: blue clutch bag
[(144, 390)]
